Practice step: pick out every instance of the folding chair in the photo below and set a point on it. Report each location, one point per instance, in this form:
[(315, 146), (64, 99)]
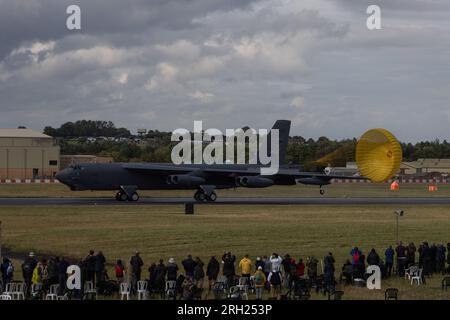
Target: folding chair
[(417, 277), (125, 290), (391, 294), (171, 289), (19, 291), (142, 289)]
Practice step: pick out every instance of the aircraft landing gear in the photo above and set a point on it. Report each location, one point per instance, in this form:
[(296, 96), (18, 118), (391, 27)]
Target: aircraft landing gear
[(127, 193), (202, 196)]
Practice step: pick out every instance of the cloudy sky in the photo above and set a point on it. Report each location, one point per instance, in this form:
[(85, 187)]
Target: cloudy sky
[(164, 63)]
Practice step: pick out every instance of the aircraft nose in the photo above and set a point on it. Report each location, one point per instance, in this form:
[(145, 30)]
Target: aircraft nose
[(63, 175)]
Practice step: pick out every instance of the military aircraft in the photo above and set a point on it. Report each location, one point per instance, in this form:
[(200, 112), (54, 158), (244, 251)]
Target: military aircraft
[(128, 178)]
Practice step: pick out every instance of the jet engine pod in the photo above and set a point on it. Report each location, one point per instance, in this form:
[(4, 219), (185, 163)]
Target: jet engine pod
[(378, 155), (185, 180), (254, 181)]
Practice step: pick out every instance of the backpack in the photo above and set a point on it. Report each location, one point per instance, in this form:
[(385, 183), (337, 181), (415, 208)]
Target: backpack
[(258, 279), (275, 279)]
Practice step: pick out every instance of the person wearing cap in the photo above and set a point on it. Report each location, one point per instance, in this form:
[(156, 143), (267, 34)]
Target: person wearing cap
[(172, 270), (27, 269), (259, 278)]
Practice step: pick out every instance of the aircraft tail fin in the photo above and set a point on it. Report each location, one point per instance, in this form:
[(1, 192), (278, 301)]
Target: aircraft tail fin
[(283, 127)]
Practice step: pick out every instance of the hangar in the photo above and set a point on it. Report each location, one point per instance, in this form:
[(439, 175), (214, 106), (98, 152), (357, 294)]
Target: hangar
[(27, 154)]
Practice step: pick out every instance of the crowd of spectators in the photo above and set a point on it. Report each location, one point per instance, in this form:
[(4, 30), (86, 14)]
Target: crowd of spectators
[(272, 273)]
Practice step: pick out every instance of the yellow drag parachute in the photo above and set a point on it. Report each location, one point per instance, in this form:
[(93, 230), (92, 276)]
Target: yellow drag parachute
[(378, 155)]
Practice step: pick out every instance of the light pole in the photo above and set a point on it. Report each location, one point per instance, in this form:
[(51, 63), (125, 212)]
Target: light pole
[(398, 213)]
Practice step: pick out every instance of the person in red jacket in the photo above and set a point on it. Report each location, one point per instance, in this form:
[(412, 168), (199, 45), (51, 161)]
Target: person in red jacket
[(300, 269), (120, 271)]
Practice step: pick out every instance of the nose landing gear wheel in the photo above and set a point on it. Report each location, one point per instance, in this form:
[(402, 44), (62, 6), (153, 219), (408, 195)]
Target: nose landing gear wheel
[(322, 191)]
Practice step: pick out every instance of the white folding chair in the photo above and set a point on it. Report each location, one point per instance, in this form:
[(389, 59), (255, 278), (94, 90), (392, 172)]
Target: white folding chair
[(417, 277), (5, 297), (36, 289), (10, 288), (125, 290), (19, 291), (64, 297), (142, 289), (171, 289), (89, 288), (410, 272), (53, 292)]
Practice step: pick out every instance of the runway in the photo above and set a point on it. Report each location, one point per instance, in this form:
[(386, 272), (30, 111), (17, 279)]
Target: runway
[(224, 201)]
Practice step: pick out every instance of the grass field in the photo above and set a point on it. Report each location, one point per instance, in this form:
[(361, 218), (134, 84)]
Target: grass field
[(164, 231), (333, 190)]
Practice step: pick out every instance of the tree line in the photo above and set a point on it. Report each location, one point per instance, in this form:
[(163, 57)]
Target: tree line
[(155, 146)]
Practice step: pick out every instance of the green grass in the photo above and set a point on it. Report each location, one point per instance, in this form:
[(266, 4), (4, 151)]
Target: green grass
[(334, 190), (164, 231)]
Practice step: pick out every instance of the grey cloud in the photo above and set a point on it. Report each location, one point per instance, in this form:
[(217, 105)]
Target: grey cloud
[(163, 64)]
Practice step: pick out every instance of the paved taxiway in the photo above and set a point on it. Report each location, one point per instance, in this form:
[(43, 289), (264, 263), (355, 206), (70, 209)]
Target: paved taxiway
[(227, 201)]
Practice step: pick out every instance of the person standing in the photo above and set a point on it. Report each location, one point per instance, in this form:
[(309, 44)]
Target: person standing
[(27, 269), (355, 253), (136, 264), (246, 268), (160, 276), (62, 274), (172, 270), (328, 271), (275, 261), (275, 281), (119, 271), (212, 271), (389, 255), (7, 270), (89, 266), (100, 262), (373, 259), (411, 254), (199, 273), (401, 259), (300, 269), (189, 266), (228, 268), (311, 263), (259, 279)]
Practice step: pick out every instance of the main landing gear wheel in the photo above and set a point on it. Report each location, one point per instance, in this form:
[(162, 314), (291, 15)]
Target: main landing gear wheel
[(201, 196), (212, 197), (134, 197), (121, 196)]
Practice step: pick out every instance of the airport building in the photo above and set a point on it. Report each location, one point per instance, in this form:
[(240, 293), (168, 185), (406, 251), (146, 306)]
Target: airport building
[(27, 154), (426, 166), (68, 160)]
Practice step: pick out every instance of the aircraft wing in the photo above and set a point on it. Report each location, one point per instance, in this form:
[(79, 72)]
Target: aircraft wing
[(236, 170)]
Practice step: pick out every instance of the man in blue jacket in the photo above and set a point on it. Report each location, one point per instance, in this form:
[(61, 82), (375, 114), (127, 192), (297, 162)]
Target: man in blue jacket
[(389, 254)]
